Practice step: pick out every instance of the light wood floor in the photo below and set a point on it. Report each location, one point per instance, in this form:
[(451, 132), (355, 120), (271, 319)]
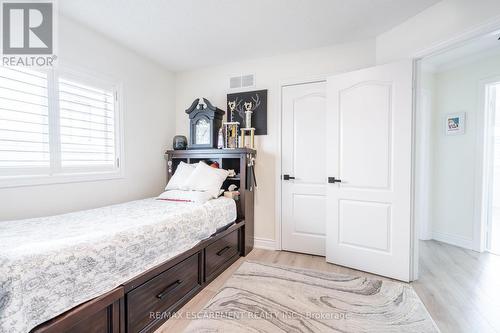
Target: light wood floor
[(460, 288)]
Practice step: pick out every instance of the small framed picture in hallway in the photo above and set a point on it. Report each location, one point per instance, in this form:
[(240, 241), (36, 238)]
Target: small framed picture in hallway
[(455, 124)]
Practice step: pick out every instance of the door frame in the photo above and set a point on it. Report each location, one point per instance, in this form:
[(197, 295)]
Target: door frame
[(439, 47), (278, 171), (488, 165)]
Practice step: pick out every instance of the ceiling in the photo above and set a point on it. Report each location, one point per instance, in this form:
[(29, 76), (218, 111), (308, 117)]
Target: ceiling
[(186, 34), (473, 50)]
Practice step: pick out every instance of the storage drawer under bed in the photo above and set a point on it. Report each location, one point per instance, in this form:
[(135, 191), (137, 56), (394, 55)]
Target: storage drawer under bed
[(220, 254), (153, 301), (145, 302)]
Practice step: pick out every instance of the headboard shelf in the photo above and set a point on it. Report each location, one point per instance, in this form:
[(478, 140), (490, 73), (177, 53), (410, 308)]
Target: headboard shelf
[(238, 160), (202, 153)]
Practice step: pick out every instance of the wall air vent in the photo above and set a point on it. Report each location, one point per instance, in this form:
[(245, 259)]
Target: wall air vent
[(242, 81)]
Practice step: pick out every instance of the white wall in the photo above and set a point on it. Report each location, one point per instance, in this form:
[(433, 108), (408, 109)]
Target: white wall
[(212, 83), (452, 184), (432, 29), (148, 92), (446, 19)]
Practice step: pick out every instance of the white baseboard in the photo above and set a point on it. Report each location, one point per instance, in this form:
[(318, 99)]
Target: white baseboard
[(453, 239), (264, 243)]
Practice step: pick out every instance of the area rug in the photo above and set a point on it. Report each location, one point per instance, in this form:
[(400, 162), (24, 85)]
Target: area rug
[(263, 297)]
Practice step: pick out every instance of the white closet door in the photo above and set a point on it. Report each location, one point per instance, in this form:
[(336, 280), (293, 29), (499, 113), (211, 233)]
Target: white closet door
[(369, 144), (304, 168)]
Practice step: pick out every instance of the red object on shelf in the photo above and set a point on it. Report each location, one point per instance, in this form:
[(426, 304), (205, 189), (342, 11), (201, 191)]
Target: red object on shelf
[(215, 165)]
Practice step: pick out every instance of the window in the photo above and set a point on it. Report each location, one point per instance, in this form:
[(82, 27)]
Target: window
[(57, 126), (87, 125), (24, 121)]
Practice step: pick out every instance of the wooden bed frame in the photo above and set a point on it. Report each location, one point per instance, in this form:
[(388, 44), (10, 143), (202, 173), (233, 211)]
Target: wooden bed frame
[(145, 302)]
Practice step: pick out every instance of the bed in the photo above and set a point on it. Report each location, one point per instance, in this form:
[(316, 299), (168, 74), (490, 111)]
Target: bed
[(126, 267), (68, 259)]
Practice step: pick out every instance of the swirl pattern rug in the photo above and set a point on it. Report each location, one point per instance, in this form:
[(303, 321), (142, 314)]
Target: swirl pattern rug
[(269, 298)]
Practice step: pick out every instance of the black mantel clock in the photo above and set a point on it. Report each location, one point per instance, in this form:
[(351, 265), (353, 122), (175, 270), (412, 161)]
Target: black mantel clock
[(205, 121)]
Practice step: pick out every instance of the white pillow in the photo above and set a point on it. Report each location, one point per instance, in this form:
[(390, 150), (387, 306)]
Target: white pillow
[(205, 178), (185, 196), (180, 176)]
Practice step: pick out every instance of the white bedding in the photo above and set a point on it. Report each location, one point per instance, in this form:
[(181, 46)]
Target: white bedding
[(49, 265)]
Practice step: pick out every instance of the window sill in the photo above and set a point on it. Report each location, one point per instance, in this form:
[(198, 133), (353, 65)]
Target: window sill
[(37, 180)]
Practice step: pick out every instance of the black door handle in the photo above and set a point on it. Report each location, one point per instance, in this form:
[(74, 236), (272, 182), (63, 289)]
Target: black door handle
[(287, 177), (332, 180)]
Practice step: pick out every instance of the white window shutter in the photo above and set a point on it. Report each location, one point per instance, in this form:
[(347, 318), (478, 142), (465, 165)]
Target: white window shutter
[(87, 125), (57, 124), (24, 119)]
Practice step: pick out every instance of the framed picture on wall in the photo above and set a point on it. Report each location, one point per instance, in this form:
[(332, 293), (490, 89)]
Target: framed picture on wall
[(455, 124), (254, 101)]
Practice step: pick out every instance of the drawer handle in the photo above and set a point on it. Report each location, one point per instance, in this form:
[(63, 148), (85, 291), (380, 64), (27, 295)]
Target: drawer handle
[(221, 252), (171, 287)]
